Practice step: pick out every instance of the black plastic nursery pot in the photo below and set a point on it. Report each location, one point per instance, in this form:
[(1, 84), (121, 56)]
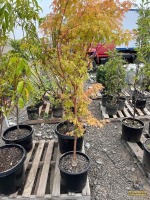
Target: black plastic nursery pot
[(13, 179), (111, 109), (57, 112), (146, 155), (140, 103), (26, 141), (66, 142), (105, 98), (121, 103), (33, 112), (74, 182), (132, 134)]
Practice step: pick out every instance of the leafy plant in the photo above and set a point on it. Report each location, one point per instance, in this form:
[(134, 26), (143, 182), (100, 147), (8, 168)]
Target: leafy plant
[(101, 75), (12, 14), (115, 75), (142, 76)]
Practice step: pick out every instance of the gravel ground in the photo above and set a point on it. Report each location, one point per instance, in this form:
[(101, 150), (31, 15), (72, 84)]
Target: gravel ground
[(113, 172)]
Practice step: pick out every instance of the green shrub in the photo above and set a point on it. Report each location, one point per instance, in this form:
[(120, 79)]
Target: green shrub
[(101, 75)]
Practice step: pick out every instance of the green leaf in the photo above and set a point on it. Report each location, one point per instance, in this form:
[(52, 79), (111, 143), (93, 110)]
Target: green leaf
[(20, 87), (20, 102), (6, 18)]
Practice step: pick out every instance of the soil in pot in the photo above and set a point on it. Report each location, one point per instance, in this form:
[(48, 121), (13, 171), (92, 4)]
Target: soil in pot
[(33, 112), (22, 136), (74, 177), (11, 168), (132, 132), (66, 141), (146, 155)]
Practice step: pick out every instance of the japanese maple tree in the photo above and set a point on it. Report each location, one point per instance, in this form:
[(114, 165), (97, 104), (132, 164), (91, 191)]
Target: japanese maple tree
[(69, 31)]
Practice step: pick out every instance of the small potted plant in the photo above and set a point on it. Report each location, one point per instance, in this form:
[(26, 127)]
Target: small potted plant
[(101, 78), (114, 82), (18, 71), (57, 107), (35, 101)]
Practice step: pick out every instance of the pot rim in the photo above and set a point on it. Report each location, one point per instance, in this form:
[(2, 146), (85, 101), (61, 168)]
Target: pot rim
[(32, 107), (63, 135), (141, 122), (144, 145), (14, 168), (14, 127), (78, 173)]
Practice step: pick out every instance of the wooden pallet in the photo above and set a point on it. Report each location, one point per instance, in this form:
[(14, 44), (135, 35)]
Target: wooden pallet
[(126, 112), (136, 150), (42, 177), (45, 116)]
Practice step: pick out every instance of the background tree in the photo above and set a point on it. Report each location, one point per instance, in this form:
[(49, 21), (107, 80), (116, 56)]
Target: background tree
[(14, 13), (142, 76)]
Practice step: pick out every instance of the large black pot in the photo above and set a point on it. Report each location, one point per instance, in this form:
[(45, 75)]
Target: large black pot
[(140, 103), (13, 179), (74, 182), (66, 142), (111, 109), (33, 112), (57, 112), (26, 141), (146, 155), (121, 103), (131, 134), (105, 98)]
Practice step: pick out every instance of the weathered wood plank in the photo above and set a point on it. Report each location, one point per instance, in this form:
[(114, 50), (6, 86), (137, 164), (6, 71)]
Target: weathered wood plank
[(146, 111), (45, 121), (125, 93), (103, 110), (86, 190), (139, 112), (120, 113), (126, 112), (130, 108), (137, 150), (45, 170), (14, 195), (76, 197), (56, 182), (33, 171)]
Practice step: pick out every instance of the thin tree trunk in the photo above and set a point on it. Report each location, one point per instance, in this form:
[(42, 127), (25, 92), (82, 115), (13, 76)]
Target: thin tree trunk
[(74, 162), (17, 115)]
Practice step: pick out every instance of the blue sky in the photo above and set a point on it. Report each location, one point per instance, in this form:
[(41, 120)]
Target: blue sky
[(46, 3)]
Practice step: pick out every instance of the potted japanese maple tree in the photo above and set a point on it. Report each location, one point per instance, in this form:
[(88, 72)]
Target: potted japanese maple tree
[(65, 55)]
